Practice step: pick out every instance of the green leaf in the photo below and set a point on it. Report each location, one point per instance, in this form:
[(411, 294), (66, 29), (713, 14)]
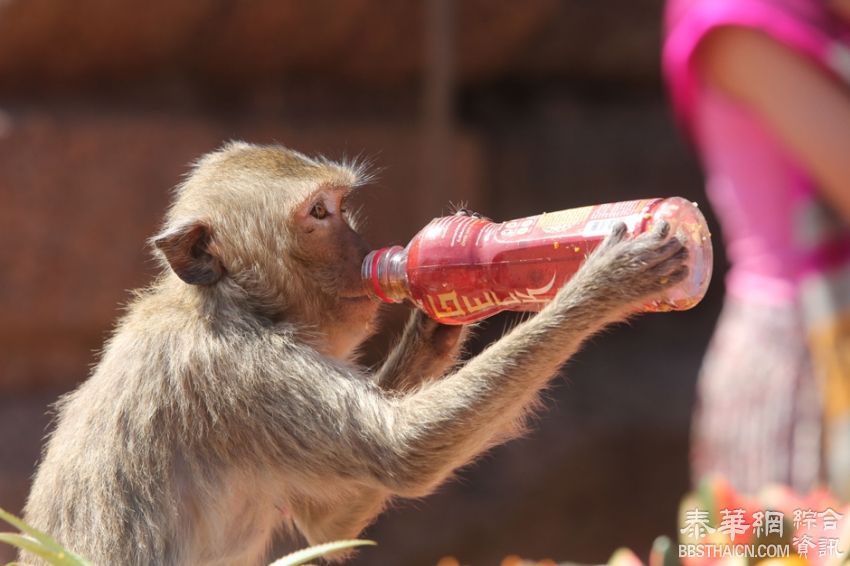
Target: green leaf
[(29, 544), (25, 542), (302, 556), (43, 538), (43, 543)]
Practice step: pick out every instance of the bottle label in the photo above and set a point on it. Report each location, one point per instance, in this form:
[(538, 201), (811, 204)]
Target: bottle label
[(462, 269), (589, 221)]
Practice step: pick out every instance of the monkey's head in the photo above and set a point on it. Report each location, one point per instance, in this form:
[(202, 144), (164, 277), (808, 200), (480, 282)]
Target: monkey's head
[(269, 231)]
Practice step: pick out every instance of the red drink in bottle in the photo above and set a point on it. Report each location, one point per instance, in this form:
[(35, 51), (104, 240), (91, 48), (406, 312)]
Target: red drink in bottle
[(461, 269)]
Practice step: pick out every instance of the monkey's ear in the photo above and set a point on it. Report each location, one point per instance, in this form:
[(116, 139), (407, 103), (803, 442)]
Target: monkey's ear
[(187, 249)]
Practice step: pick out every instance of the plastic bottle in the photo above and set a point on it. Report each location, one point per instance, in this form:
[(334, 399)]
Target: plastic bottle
[(461, 269)]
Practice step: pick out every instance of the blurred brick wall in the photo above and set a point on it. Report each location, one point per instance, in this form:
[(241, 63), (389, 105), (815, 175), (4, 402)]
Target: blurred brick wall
[(557, 103), (376, 43), (84, 189)]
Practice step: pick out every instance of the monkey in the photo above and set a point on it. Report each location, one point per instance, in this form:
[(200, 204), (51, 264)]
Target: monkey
[(227, 406)]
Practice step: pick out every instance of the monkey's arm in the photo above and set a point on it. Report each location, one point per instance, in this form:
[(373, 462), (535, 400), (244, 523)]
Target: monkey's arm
[(342, 429), (426, 350), (450, 422)]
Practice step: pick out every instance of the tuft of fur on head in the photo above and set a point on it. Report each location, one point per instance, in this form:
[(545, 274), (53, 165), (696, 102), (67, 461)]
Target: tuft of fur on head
[(361, 167)]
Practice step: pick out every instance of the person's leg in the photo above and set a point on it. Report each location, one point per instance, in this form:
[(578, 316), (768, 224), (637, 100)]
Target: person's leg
[(757, 417)]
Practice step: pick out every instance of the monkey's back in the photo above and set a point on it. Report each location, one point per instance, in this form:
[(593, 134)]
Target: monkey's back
[(134, 471), (100, 483)]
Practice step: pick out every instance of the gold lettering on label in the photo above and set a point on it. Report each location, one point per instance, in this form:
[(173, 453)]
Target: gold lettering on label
[(477, 303), (533, 295), (508, 301), (448, 305)]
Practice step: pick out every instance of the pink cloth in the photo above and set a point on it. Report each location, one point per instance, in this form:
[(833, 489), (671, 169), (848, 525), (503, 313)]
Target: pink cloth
[(754, 185)]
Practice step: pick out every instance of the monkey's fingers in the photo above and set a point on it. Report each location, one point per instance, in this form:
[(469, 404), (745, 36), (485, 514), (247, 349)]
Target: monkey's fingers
[(662, 229), (441, 338), (618, 234), (466, 212), (673, 269), (672, 248), (659, 270)]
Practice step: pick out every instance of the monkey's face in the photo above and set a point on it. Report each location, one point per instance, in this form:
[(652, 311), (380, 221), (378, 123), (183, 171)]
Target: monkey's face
[(271, 229), (328, 252)]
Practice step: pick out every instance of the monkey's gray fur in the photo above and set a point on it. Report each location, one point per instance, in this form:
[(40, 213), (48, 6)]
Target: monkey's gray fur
[(226, 406)]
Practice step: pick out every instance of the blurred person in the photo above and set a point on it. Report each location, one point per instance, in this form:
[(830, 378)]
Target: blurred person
[(762, 87)]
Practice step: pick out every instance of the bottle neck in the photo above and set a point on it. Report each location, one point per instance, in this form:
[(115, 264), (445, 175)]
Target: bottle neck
[(384, 274)]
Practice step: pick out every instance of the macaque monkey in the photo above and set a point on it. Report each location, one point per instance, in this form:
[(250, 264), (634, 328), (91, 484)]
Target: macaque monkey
[(226, 405)]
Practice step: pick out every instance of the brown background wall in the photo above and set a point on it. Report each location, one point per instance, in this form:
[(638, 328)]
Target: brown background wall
[(514, 107)]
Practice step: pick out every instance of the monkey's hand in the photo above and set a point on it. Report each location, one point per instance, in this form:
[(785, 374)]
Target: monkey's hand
[(427, 350), (615, 281), (624, 273)]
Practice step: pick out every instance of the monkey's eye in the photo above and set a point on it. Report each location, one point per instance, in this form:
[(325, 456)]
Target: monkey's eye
[(318, 211)]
